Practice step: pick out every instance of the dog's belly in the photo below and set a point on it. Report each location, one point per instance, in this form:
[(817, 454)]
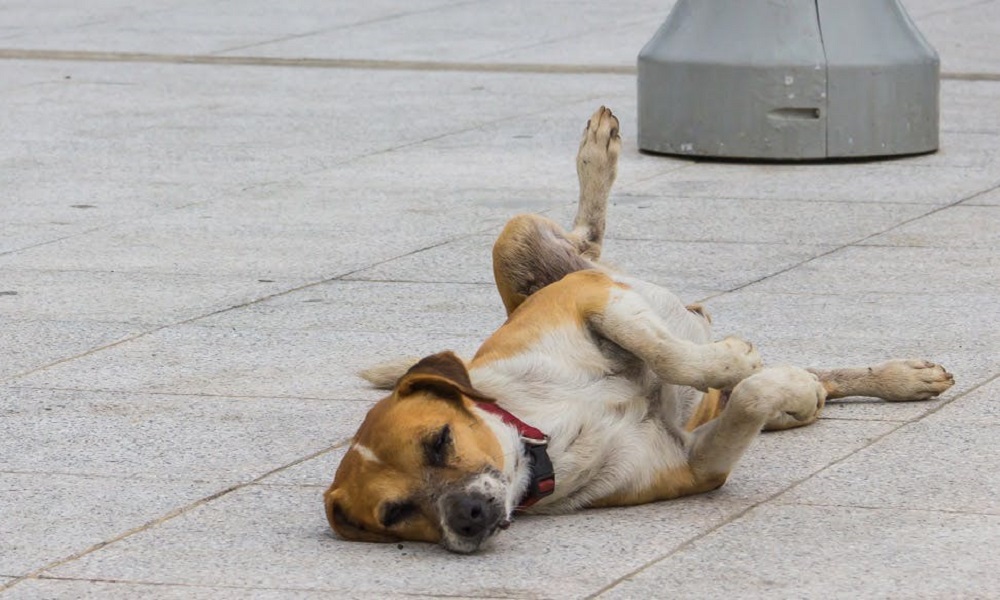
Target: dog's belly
[(602, 410)]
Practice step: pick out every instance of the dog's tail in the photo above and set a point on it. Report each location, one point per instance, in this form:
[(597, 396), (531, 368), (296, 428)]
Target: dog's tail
[(384, 376)]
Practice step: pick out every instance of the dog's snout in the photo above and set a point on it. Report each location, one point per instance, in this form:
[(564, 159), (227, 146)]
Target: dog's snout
[(473, 515)]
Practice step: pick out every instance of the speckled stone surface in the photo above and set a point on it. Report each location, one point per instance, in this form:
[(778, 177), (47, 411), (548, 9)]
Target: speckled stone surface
[(196, 257)]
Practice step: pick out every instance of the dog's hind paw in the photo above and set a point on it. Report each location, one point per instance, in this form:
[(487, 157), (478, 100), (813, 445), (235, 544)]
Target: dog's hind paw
[(597, 160), (909, 380), (785, 396)]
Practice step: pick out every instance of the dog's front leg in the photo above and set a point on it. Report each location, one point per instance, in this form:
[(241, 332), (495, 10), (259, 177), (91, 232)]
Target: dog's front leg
[(717, 445), (628, 320)]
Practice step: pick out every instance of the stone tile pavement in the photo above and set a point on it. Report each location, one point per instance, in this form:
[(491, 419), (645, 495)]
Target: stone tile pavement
[(213, 213)]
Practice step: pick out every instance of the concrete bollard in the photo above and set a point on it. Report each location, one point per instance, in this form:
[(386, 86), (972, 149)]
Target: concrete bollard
[(788, 80)]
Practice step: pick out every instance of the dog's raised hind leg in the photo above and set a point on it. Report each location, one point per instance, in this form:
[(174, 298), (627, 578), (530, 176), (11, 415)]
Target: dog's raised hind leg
[(533, 251), (596, 168), (719, 444)]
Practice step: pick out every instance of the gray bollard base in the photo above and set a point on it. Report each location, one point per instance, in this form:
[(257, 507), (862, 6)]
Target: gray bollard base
[(788, 80)]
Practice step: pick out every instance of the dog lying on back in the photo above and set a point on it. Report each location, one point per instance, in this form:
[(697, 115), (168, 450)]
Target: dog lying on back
[(599, 390)]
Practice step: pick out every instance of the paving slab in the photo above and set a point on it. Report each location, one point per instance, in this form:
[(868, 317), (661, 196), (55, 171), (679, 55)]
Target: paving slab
[(164, 438), (959, 112), (175, 26), (141, 299), (219, 544), (532, 153), (187, 133), (831, 552), (834, 182), (213, 241), (979, 406), (967, 226), (892, 270), (50, 516), (506, 26), (29, 345), (778, 460), (943, 466), (466, 310), (221, 361), (991, 198), (116, 590), (753, 221), (963, 36)]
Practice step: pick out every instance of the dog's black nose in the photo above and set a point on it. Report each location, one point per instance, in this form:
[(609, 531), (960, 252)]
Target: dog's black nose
[(472, 515)]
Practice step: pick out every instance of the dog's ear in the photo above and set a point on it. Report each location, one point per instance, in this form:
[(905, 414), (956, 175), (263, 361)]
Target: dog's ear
[(443, 374), (346, 527)]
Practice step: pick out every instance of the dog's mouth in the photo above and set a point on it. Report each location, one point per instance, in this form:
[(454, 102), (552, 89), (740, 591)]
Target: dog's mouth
[(473, 513)]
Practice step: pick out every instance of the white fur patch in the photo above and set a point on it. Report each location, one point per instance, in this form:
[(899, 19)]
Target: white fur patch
[(366, 453)]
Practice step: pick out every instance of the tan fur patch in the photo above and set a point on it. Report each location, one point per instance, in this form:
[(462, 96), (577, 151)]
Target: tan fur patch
[(709, 408), (568, 302)]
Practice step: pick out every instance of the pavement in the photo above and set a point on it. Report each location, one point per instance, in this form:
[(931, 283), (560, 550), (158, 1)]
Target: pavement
[(212, 213)]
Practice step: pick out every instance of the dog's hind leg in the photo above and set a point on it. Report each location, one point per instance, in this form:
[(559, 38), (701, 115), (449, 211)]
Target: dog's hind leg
[(713, 449), (718, 444), (894, 381), (532, 251)]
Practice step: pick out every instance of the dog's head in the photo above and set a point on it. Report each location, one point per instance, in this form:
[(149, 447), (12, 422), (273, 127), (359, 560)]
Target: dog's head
[(423, 466)]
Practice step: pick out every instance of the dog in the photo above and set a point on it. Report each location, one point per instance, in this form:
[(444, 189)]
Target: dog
[(599, 390)]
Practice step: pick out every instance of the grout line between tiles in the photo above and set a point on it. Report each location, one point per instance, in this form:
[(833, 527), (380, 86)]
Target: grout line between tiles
[(168, 516), (364, 63), (856, 242)]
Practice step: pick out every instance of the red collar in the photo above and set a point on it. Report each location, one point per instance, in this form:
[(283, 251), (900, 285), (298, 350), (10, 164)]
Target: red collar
[(543, 478)]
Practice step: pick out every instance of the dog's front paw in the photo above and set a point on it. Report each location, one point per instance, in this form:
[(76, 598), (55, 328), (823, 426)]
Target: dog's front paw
[(909, 380), (731, 361)]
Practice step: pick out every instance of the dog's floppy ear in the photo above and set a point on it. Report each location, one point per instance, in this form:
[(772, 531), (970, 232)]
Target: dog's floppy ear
[(444, 374), (346, 527)]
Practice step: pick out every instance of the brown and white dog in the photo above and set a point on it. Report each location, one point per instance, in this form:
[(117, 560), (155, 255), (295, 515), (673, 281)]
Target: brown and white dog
[(636, 402)]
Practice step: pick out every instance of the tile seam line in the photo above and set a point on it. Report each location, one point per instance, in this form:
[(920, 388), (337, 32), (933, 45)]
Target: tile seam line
[(364, 63), (169, 394), (944, 511), (199, 586), (342, 27), (168, 516), (858, 243), (740, 514), (315, 63), (130, 477), (11, 379)]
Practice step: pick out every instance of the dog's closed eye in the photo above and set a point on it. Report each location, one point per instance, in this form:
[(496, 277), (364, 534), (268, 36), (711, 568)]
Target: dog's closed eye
[(397, 512), (436, 448)]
